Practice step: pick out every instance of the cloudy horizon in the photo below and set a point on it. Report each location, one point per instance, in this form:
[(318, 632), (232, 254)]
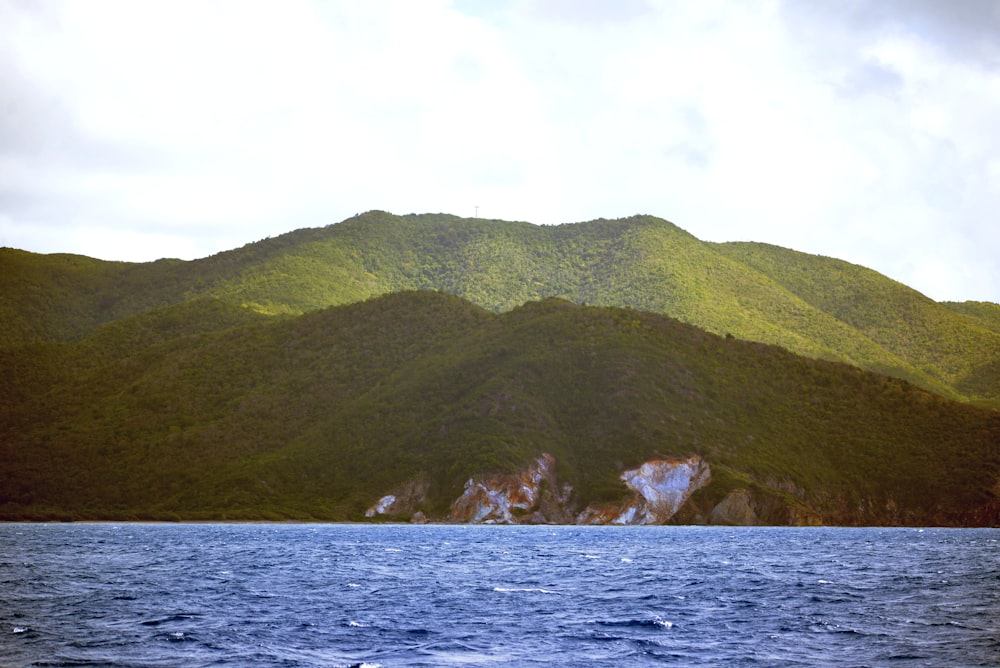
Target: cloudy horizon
[(862, 130)]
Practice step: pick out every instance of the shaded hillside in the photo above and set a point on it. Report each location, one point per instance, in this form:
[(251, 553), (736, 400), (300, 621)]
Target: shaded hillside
[(63, 297), (317, 416), (814, 306)]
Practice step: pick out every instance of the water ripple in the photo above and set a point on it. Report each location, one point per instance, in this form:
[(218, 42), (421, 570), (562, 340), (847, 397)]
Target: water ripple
[(345, 595)]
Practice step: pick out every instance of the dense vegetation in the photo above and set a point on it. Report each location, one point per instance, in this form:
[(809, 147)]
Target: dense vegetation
[(306, 375), (812, 305), (206, 410)]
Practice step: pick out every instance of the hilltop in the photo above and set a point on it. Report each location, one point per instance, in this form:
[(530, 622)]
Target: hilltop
[(812, 305)]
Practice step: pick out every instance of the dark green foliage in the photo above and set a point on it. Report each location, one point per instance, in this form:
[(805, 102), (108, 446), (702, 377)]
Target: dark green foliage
[(317, 416)]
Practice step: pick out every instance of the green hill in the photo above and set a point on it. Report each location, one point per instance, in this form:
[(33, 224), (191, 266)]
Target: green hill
[(957, 344), (808, 304), (985, 314), (318, 415)]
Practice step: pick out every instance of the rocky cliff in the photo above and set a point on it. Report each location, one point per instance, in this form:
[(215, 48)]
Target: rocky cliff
[(659, 488), (404, 501), (660, 491), (534, 495)]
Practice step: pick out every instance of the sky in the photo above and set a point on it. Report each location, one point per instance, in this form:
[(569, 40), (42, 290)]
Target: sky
[(863, 130)]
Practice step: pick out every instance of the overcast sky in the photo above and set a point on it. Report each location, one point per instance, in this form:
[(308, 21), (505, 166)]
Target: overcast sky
[(867, 131)]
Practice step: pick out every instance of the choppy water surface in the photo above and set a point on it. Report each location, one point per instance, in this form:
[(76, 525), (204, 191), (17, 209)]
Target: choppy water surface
[(341, 595)]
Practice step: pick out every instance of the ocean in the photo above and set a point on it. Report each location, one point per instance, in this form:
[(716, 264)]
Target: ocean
[(399, 595)]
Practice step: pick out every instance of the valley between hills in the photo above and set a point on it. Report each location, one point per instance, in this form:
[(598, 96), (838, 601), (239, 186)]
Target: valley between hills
[(313, 375)]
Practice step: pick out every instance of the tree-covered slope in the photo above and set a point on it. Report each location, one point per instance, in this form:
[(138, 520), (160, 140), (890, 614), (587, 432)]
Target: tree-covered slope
[(640, 262), (985, 314), (63, 297), (317, 416), (956, 344)]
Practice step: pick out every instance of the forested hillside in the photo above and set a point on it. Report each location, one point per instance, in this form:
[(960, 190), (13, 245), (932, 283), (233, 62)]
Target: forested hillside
[(808, 304), (206, 410)]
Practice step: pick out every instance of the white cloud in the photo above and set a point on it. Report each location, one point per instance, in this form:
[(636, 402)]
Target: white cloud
[(186, 128)]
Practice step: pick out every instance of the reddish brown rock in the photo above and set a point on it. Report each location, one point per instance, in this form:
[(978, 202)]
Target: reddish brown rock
[(532, 496), (660, 487)]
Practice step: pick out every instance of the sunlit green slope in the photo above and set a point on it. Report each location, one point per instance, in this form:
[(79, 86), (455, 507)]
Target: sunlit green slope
[(813, 306), (957, 344), (985, 314)]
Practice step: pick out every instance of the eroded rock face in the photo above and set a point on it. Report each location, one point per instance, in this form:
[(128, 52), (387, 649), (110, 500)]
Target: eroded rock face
[(665, 484), (532, 496), (381, 506), (660, 487), (403, 501), (735, 510)]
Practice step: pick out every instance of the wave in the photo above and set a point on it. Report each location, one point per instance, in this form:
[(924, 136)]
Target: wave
[(180, 617), (655, 622), (532, 590), (494, 596)]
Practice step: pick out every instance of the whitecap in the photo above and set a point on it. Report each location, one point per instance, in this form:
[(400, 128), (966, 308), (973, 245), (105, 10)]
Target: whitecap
[(824, 582), (591, 556), (20, 629), (353, 584), (534, 590), (626, 560), (664, 623), (356, 625)]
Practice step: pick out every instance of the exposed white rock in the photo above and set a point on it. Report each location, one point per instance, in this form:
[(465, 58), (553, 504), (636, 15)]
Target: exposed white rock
[(660, 487), (534, 496), (665, 484), (404, 500), (631, 514), (381, 506), (510, 498)]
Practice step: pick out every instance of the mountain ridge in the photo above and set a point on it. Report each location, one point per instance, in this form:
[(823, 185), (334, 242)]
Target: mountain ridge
[(748, 290)]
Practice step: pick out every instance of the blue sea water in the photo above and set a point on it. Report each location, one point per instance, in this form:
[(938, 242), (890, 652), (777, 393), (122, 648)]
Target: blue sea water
[(390, 595)]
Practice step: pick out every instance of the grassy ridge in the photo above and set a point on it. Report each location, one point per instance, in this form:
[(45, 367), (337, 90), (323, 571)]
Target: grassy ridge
[(955, 342), (316, 416), (808, 304), (985, 314)]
